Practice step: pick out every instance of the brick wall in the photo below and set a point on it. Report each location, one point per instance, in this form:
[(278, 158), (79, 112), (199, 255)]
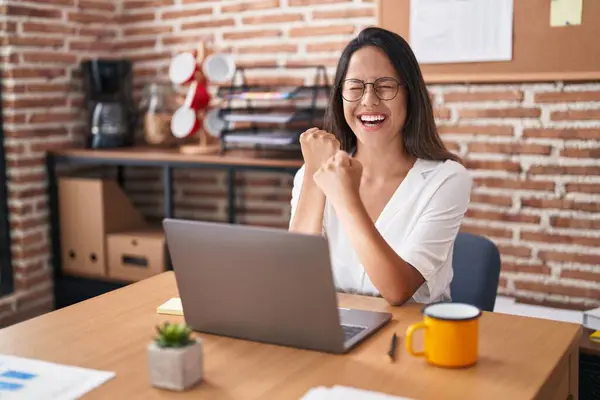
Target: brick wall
[(42, 43), (532, 148)]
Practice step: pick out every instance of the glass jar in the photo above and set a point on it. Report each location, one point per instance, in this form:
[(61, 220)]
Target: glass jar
[(157, 106)]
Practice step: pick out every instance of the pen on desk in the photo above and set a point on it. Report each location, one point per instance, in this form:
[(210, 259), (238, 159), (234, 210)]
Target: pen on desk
[(392, 351)]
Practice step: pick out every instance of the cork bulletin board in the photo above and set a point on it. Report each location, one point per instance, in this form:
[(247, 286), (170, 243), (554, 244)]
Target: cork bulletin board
[(541, 52)]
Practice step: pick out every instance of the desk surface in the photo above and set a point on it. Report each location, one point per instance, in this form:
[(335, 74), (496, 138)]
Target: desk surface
[(173, 155), (518, 355)]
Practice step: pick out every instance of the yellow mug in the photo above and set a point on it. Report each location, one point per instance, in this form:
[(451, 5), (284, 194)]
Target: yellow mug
[(451, 334)]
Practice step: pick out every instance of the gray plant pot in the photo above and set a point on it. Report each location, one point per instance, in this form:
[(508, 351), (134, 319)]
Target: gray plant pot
[(175, 368)]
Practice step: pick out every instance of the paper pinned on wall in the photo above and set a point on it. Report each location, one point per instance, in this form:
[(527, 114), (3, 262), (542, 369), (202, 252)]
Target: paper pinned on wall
[(446, 31), (565, 12)]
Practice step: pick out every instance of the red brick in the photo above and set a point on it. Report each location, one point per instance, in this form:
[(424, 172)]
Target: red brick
[(564, 170), (488, 130), (512, 95), (22, 41), (30, 72), (135, 44), (34, 238), (567, 97), (496, 200), (315, 2), (136, 18), (567, 133), (28, 103), (511, 166), (28, 178), (139, 4), (581, 275), (345, 13), (92, 45), (328, 62), (146, 30), (552, 303), (326, 46), (322, 30), (275, 80), (560, 204), (28, 281), (529, 269), (47, 27), (441, 112), (264, 33), (250, 5), (580, 153), (194, 12), (516, 251), (579, 258), (554, 288), (575, 115), (522, 112), (514, 184), (210, 23), (97, 33), (502, 216), (54, 58), (269, 19), (576, 223), (55, 116), (191, 42), (36, 12), (583, 187), (510, 148), (487, 231), (90, 18), (559, 239), (276, 48), (257, 63), (97, 5)]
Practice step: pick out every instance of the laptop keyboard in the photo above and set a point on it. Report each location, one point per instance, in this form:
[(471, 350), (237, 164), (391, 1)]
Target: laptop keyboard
[(351, 330)]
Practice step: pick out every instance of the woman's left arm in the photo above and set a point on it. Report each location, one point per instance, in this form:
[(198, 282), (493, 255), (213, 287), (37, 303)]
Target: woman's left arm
[(395, 277)]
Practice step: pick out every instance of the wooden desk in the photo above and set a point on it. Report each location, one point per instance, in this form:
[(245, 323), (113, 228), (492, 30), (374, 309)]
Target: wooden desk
[(520, 357)]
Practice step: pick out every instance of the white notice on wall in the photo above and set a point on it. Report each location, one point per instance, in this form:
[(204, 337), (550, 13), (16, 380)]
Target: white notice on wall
[(446, 31)]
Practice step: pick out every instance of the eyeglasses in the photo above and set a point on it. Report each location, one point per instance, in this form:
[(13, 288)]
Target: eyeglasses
[(385, 88)]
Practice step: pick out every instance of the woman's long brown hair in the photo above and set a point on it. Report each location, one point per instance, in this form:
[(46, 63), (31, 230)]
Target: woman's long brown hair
[(420, 135)]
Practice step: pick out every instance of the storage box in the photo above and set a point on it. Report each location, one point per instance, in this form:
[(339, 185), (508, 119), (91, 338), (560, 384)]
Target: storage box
[(137, 254), (89, 209)]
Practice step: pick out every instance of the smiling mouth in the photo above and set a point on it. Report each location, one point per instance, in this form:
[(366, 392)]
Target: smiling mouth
[(372, 120)]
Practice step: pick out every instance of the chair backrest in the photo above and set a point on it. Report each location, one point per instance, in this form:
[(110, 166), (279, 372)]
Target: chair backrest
[(476, 264)]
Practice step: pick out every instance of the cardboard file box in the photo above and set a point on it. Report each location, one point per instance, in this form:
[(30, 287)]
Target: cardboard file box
[(137, 254), (89, 209)]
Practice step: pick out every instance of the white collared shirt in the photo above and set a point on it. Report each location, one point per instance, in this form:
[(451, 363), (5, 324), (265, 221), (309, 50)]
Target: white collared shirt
[(420, 222)]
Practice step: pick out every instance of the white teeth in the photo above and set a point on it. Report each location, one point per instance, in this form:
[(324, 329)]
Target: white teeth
[(371, 118)]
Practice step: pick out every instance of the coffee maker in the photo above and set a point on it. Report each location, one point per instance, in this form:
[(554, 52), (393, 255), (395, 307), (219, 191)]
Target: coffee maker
[(112, 116)]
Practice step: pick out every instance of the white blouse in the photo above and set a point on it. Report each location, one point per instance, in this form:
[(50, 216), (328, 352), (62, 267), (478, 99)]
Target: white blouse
[(420, 222)]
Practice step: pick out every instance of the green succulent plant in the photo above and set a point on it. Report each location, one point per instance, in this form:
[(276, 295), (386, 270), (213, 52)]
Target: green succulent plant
[(173, 335)]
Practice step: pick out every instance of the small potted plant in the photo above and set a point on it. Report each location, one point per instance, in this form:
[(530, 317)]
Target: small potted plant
[(174, 358)]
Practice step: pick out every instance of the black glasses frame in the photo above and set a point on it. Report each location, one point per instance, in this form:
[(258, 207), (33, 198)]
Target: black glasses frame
[(364, 87)]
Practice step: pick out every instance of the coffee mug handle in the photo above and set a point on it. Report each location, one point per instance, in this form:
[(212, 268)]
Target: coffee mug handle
[(409, 332)]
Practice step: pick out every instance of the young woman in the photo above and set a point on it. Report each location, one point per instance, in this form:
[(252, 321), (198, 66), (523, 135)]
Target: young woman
[(378, 181)]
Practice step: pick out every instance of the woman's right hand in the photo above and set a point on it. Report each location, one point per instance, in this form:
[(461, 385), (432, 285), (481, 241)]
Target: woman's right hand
[(318, 146)]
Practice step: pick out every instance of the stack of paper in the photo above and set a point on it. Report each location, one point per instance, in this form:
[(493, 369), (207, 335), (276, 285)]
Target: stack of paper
[(345, 392), (23, 378), (591, 319)]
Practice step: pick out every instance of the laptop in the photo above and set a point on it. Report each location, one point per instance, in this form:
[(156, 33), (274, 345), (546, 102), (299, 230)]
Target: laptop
[(263, 284)]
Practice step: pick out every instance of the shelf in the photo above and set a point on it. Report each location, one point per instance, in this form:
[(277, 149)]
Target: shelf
[(271, 115), (271, 93)]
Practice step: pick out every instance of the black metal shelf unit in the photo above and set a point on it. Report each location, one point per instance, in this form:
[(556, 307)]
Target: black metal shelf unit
[(270, 127)]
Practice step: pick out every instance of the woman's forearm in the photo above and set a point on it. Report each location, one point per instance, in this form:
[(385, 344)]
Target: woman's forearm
[(309, 213), (395, 279)]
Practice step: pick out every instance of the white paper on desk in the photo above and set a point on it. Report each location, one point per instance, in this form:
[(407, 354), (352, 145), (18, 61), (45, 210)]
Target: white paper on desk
[(24, 378), (339, 392), (445, 31)]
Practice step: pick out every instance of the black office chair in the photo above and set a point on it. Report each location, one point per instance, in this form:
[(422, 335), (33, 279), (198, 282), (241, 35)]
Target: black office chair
[(476, 264)]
